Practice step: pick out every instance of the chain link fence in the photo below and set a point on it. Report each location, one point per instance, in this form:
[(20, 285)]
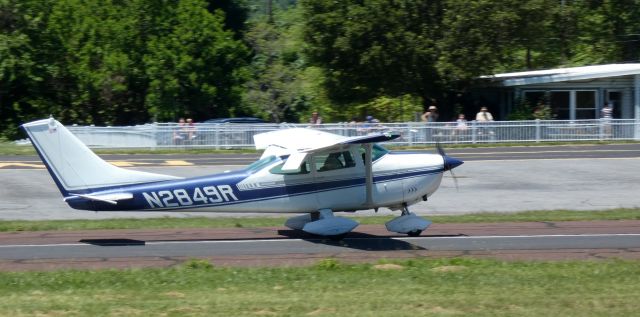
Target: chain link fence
[(235, 136)]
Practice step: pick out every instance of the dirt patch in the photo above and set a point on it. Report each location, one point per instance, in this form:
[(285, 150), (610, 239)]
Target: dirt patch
[(388, 266)]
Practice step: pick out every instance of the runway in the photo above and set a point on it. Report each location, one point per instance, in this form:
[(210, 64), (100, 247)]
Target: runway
[(492, 179), (277, 246), (537, 152)]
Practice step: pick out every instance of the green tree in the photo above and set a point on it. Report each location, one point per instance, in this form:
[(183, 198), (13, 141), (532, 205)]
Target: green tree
[(283, 86), (195, 67), (99, 60), (374, 48), (609, 31), (114, 62), (24, 73)]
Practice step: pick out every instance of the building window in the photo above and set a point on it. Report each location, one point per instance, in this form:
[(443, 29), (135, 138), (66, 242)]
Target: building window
[(566, 104), (560, 102), (534, 98), (585, 105)]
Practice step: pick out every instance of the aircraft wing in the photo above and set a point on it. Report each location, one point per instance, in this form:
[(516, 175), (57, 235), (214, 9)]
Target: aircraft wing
[(309, 140), (371, 138), (298, 143)]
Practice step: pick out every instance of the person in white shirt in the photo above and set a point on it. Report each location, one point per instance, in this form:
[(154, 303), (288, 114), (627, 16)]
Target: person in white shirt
[(484, 115), (606, 114)]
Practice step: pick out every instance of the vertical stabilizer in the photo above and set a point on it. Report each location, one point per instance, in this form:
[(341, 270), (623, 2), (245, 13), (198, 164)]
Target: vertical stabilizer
[(73, 166)]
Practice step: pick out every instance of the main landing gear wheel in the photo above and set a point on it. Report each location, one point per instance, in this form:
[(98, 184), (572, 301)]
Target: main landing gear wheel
[(338, 237), (414, 233), (408, 223)]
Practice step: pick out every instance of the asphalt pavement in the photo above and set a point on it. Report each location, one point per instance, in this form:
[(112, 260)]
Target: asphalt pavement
[(507, 179)]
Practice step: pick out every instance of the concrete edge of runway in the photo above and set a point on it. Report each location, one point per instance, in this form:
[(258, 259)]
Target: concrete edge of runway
[(52, 250)]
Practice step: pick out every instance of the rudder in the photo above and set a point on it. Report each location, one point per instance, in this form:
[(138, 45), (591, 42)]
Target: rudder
[(73, 166)]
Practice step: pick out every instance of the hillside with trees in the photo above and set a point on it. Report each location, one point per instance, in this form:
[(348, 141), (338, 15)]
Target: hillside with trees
[(108, 62)]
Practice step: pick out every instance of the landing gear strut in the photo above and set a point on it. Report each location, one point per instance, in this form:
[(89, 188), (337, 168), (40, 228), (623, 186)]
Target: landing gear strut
[(408, 223)]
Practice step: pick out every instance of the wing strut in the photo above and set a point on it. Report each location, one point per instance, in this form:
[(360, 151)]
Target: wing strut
[(368, 173)]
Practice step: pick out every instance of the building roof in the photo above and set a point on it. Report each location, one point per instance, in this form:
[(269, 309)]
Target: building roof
[(565, 74)]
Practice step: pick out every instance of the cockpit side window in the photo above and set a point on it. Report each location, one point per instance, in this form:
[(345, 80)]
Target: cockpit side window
[(303, 169), (258, 165), (334, 161)]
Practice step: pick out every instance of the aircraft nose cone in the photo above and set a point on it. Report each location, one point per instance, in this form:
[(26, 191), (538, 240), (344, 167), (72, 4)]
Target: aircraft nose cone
[(451, 163)]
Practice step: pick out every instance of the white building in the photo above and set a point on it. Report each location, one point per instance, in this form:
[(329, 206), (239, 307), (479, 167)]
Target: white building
[(576, 92)]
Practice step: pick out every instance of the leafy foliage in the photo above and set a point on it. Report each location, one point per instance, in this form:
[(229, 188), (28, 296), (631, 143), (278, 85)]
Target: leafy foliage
[(108, 62), (129, 62)]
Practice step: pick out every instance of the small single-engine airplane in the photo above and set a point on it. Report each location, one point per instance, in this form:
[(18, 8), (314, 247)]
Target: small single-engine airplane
[(301, 171)]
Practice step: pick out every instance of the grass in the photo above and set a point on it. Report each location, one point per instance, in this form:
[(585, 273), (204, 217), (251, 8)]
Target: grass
[(425, 287), (203, 222)]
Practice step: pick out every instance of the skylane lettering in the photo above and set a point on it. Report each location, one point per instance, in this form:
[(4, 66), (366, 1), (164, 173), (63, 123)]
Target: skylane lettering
[(182, 197)]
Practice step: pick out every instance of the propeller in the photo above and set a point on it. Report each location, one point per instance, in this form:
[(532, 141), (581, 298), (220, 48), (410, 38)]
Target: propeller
[(449, 163)]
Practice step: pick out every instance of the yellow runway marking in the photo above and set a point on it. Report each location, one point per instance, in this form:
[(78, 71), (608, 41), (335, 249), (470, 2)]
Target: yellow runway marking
[(166, 163), (127, 163), (20, 164), (177, 163), (9, 165)]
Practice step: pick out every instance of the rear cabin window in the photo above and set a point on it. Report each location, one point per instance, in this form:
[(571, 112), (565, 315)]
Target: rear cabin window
[(334, 161)]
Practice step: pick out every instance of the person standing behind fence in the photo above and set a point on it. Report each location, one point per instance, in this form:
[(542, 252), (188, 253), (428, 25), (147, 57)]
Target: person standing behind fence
[(190, 130), (430, 116), (316, 119), (606, 114), (483, 117), (180, 134)]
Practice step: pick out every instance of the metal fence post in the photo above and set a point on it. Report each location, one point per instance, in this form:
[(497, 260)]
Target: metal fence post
[(474, 132), (601, 129), (154, 132), (216, 136), (538, 132)]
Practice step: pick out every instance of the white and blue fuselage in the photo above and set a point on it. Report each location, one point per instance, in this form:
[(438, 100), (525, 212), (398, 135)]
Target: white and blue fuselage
[(397, 178), (337, 173)]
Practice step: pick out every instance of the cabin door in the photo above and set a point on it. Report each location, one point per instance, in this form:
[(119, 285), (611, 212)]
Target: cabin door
[(339, 179)]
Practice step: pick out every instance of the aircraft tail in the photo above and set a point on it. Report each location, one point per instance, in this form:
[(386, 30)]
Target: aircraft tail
[(73, 166)]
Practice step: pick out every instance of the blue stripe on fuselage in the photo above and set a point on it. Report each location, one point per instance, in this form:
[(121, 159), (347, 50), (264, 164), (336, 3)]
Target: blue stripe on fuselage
[(231, 179)]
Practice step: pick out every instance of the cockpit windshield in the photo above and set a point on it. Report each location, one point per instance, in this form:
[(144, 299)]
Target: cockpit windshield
[(259, 164), (377, 152)]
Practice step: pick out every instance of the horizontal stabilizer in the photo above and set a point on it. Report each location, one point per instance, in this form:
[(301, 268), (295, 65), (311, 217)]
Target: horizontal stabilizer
[(107, 198)]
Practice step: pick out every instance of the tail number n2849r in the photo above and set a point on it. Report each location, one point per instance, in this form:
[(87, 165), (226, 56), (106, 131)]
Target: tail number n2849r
[(182, 197)]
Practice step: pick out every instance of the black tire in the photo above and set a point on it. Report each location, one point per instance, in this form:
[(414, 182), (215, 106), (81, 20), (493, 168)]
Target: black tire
[(338, 237), (414, 233)]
